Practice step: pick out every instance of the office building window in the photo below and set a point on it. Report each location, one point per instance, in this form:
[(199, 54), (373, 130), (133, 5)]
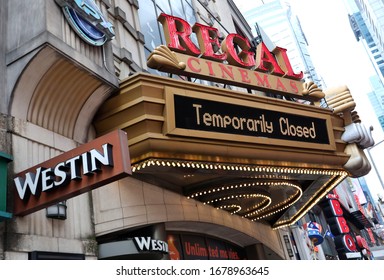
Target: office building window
[(149, 11)]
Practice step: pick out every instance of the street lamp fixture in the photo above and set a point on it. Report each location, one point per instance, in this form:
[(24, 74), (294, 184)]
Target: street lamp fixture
[(57, 211)]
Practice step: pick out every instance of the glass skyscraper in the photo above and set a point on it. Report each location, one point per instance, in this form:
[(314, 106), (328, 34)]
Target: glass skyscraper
[(376, 98), (367, 23), (275, 22), (362, 33)]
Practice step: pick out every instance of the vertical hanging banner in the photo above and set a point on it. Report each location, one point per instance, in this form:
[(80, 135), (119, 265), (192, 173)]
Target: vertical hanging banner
[(344, 241), (92, 165)]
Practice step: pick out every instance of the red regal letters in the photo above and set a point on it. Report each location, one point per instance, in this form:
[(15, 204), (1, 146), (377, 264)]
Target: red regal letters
[(178, 36)]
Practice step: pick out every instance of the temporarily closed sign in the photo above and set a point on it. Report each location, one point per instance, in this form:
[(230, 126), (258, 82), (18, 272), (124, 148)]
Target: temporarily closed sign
[(228, 119), (199, 114)]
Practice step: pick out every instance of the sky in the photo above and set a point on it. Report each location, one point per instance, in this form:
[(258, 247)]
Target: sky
[(340, 60)]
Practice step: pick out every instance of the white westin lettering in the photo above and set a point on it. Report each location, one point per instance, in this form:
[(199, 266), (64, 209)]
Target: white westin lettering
[(149, 244), (45, 179), (31, 181)]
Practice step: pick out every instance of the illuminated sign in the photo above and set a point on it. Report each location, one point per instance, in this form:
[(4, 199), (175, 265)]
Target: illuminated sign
[(364, 247), (178, 35), (150, 244), (343, 239), (196, 247), (271, 70), (203, 116), (87, 20), (199, 114), (99, 162)]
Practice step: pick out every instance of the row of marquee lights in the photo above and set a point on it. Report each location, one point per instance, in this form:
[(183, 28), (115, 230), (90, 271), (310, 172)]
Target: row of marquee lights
[(337, 177), (260, 210), (266, 201), (310, 204), (233, 167)]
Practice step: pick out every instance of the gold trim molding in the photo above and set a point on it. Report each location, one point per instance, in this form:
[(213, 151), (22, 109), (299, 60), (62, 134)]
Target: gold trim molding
[(143, 109)]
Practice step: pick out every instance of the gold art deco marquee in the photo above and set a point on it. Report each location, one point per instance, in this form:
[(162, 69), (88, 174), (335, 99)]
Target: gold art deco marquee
[(260, 178), (262, 158)]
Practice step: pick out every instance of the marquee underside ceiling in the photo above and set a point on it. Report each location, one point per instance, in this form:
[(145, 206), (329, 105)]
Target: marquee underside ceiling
[(279, 196)]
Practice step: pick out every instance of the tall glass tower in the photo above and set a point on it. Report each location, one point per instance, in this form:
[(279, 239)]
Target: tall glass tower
[(372, 12), (367, 26), (376, 98), (362, 33), (274, 21)]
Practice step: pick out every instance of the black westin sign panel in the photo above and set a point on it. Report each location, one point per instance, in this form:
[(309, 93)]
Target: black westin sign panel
[(206, 115)]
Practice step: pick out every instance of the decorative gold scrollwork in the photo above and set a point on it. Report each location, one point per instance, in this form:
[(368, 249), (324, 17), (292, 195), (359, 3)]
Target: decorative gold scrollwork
[(162, 57), (311, 89)]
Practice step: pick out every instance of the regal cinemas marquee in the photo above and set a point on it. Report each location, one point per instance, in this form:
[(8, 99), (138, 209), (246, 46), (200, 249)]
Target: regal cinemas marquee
[(265, 159)]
